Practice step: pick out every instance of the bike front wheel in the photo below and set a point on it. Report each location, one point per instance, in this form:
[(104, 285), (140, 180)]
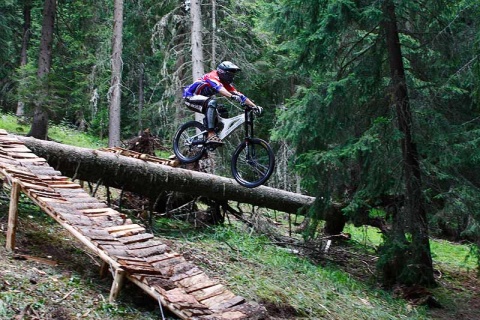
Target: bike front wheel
[(253, 162), (189, 142)]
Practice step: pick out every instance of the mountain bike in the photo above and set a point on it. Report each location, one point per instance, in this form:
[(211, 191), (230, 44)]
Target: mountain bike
[(253, 160)]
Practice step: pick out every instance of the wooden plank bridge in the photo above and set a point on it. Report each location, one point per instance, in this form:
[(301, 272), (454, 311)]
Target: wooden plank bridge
[(126, 249)]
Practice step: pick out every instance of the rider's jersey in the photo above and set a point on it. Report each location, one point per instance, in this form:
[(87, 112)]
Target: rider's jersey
[(208, 85)]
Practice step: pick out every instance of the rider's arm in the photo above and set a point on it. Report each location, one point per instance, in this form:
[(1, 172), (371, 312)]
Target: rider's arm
[(224, 92)]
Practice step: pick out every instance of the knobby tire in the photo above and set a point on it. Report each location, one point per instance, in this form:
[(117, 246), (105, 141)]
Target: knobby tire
[(253, 162), (189, 142)]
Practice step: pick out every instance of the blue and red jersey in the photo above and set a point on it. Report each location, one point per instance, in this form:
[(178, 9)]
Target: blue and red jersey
[(208, 85)]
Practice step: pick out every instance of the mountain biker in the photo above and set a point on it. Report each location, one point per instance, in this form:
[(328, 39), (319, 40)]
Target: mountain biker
[(200, 95)]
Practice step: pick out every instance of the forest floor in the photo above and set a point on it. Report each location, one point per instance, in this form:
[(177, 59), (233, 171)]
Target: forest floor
[(52, 276)]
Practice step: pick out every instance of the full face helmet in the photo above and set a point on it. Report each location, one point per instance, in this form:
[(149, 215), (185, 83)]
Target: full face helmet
[(226, 71)]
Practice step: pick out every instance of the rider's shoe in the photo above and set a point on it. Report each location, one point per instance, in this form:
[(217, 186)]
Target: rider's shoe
[(214, 140)]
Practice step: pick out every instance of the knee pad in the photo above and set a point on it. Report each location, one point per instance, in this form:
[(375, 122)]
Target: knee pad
[(211, 113)]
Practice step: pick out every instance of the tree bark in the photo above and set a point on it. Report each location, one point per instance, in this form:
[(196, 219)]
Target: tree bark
[(27, 19), (214, 33), (39, 127), (197, 44), (115, 88), (150, 180), (416, 261), (141, 95)]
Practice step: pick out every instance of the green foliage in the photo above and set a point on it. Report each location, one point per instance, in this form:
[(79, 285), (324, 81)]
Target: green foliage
[(61, 133), (266, 273)]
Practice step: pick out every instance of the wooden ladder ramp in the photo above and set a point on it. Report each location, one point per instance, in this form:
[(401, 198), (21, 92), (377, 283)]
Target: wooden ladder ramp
[(127, 250)]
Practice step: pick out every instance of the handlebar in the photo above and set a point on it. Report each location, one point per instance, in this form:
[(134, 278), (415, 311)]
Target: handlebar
[(257, 109)]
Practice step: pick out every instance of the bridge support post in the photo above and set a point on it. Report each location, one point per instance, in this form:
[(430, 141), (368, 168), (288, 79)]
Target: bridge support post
[(13, 215), (104, 269), (117, 284)]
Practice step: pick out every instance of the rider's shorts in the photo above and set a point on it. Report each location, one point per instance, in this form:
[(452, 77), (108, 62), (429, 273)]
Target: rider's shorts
[(197, 103)]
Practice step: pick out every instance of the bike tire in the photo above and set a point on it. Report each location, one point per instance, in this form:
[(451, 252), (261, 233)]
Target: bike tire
[(253, 162), (189, 142)]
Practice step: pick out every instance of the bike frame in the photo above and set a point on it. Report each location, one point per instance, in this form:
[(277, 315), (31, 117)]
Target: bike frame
[(231, 124)]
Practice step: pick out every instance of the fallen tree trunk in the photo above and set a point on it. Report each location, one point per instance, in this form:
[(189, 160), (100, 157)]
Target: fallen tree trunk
[(150, 179)]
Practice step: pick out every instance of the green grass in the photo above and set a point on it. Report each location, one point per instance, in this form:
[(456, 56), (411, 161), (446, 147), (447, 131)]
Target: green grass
[(254, 268), (58, 133), (454, 255)]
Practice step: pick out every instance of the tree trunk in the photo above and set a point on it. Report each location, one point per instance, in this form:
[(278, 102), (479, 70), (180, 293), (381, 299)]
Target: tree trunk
[(117, 64), (39, 127), (180, 44), (214, 32), (416, 261), (150, 180), (141, 96), (197, 44), (27, 19)]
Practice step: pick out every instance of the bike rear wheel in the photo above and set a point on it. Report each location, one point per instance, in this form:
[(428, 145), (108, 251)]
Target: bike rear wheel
[(189, 142), (253, 162)]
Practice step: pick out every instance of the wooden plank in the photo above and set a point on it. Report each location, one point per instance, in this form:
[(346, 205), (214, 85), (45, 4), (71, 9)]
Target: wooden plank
[(209, 292), (96, 234), (32, 160), (100, 242), (122, 228), (228, 303), (138, 262), (76, 220), (105, 214), (130, 232), (37, 185), (58, 179), (9, 140), (21, 172), (109, 221), (136, 238), (66, 186), (43, 193), (195, 313), (113, 250), (6, 157), (146, 244), (50, 200), (184, 270), (197, 282), (83, 200), (74, 192), (7, 163), (178, 297), (217, 300), (83, 206), (147, 252), (143, 270), (99, 210), (129, 259), (164, 256), (159, 281), (16, 148), (42, 170), (125, 230), (23, 155)]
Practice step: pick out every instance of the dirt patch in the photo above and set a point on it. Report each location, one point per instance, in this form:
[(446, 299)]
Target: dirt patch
[(279, 312)]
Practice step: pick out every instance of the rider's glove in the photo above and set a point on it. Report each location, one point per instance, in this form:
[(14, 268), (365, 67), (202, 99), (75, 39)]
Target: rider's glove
[(237, 98), (258, 110)]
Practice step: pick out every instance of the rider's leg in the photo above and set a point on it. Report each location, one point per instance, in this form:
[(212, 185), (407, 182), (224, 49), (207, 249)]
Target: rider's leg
[(211, 115)]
